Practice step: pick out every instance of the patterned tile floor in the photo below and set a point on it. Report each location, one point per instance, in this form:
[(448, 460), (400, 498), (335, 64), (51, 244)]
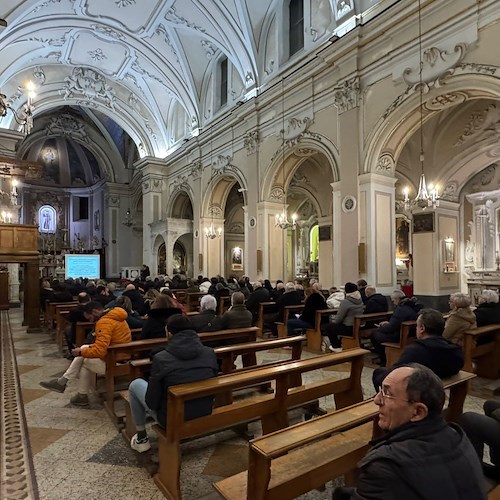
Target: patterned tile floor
[(77, 453)]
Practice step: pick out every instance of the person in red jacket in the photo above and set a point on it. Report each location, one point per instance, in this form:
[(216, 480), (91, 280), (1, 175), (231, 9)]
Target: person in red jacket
[(111, 328)]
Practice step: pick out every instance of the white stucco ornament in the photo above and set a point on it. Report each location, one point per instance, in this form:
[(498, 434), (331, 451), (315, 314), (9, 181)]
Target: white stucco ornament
[(349, 204)]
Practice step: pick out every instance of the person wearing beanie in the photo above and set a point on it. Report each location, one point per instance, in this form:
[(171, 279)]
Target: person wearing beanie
[(343, 321), (184, 359)]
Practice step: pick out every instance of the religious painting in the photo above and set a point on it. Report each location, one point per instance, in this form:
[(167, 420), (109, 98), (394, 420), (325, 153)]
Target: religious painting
[(236, 259), (449, 257), (402, 237), (423, 223), (47, 219)]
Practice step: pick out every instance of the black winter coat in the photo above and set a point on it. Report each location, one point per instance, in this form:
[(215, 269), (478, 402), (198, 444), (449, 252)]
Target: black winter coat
[(427, 460), (376, 303), (205, 321), (291, 298), (487, 314), (442, 356), (406, 310), (313, 303), (154, 326), (184, 359), (259, 295)]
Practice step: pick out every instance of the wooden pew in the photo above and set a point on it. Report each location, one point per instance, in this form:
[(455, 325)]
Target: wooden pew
[(62, 322), (271, 409), (134, 349), (50, 310), (393, 350), (494, 494), (193, 301), (357, 330), (264, 315), (224, 305), (227, 355), (314, 334), (288, 311), (487, 355), (82, 330), (293, 461)]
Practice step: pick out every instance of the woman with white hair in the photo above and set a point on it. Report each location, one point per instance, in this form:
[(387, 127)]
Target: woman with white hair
[(205, 320), (488, 309), (461, 318)]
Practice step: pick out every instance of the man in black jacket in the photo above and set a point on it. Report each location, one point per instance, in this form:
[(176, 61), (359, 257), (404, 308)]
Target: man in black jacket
[(259, 294), (237, 316), (488, 309), (184, 359), (289, 298), (375, 302), (420, 455), (205, 321), (430, 349)]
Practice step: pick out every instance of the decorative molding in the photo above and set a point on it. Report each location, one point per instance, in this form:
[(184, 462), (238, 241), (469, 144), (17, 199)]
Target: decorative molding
[(152, 185), (97, 55), (91, 84), (215, 210), (222, 165), (161, 29), (47, 42), (450, 191), (304, 152), (346, 95), (444, 101), (277, 193), (209, 48), (485, 122), (39, 75), (181, 183), (269, 68), (385, 163), (66, 125), (173, 17), (296, 130), (236, 228), (112, 200), (251, 141), (124, 3), (349, 204), (437, 65), (300, 180), (196, 169), (107, 31)]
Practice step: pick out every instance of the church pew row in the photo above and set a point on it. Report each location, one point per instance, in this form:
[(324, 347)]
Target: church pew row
[(288, 312), (487, 354), (141, 348), (295, 460), (494, 494), (227, 355), (358, 328), (50, 312), (271, 409), (265, 312), (393, 350), (314, 334)]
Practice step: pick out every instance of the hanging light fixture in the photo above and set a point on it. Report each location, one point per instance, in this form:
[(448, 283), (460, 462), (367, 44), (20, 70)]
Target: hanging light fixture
[(282, 219), (426, 196), (210, 232), (23, 117)]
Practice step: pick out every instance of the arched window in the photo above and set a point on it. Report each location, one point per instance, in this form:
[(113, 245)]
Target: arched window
[(47, 219), (295, 26), (223, 81)]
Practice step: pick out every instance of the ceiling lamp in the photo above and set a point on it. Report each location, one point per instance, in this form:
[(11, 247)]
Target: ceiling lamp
[(23, 117), (426, 196), (282, 219)]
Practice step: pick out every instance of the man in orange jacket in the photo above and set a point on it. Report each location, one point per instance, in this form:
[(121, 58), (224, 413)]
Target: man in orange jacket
[(111, 328)]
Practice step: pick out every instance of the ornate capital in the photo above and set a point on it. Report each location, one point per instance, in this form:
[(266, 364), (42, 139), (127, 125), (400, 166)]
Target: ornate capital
[(385, 163), (251, 141), (180, 183), (196, 170), (112, 200), (152, 185), (346, 96)]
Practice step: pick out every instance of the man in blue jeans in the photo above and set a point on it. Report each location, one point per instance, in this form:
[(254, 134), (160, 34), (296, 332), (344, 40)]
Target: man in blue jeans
[(184, 359)]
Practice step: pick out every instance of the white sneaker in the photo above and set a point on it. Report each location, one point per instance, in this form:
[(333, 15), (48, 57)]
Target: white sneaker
[(142, 446), (336, 349)]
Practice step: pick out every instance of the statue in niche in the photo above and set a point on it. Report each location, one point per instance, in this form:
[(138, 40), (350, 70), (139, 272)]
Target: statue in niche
[(343, 7)]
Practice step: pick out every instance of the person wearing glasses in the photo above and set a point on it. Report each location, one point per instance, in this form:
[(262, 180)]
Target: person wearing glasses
[(420, 456), (430, 349)]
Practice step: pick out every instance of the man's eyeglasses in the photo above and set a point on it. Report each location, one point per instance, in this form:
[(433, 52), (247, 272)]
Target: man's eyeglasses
[(382, 391)]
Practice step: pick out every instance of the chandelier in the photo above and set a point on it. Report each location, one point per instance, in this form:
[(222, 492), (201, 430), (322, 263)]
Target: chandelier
[(23, 117), (128, 221), (427, 196), (281, 220)]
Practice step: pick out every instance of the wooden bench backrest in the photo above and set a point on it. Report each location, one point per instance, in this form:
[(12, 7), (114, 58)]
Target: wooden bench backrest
[(487, 354), (347, 389), (262, 312)]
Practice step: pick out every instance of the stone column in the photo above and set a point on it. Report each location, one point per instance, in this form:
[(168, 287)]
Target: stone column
[(31, 297), (378, 230), (13, 284)]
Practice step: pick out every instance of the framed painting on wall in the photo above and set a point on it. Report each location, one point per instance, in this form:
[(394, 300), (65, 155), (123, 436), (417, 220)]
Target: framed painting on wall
[(402, 237), (236, 259), (423, 223)]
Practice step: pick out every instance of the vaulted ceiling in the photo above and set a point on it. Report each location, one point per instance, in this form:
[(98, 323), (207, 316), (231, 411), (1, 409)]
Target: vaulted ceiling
[(150, 64)]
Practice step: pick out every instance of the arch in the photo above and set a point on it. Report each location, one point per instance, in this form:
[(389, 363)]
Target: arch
[(394, 129), (284, 164), (177, 206), (217, 192), (47, 219)]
